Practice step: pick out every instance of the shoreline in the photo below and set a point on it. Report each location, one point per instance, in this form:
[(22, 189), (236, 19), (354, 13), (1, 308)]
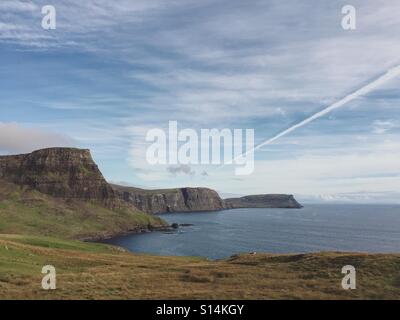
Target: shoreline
[(145, 277), (192, 240), (107, 236)]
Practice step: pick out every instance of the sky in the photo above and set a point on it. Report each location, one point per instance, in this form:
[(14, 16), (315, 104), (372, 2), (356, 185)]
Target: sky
[(112, 70)]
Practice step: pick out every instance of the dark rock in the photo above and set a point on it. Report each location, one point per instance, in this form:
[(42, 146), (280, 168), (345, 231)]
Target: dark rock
[(175, 226), (67, 173), (171, 200), (71, 173), (60, 172), (263, 201)]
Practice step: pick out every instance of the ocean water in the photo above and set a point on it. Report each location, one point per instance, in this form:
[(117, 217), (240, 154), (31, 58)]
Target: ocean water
[(365, 228)]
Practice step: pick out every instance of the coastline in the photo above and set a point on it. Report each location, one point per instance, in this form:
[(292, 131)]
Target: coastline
[(112, 273), (139, 230), (107, 236), (315, 228)]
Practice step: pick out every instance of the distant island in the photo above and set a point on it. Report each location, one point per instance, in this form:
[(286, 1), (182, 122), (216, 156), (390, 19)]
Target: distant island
[(263, 201)]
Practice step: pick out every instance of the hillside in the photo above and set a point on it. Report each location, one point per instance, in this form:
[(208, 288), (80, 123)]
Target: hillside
[(61, 192), (27, 211), (95, 271), (70, 173), (52, 196)]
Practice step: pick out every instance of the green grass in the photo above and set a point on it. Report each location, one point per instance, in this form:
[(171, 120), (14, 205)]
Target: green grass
[(98, 271), (24, 211), (38, 230), (55, 243)]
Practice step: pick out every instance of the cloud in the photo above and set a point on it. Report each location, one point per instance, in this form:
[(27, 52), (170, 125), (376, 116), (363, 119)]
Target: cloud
[(353, 197), (17, 139), (17, 5), (389, 75), (383, 126), (372, 167), (264, 65), (183, 169)]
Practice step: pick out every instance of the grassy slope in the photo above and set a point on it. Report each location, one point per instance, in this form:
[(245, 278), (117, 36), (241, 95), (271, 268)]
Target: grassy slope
[(25, 211), (96, 271)]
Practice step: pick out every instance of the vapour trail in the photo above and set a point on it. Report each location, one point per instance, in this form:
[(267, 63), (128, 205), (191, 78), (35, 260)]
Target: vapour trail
[(390, 74)]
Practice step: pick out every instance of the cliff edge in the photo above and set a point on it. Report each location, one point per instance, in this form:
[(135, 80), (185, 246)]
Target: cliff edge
[(70, 173), (61, 192), (263, 201), (67, 173), (171, 200)]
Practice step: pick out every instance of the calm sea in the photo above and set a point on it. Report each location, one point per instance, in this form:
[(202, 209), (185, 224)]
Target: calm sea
[(366, 228)]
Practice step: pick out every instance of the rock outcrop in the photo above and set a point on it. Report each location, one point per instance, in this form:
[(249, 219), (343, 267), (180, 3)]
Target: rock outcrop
[(171, 200), (197, 199), (70, 173), (263, 201), (62, 191), (60, 172)]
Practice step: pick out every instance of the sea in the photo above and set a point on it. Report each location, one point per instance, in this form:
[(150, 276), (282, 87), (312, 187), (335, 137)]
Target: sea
[(314, 228)]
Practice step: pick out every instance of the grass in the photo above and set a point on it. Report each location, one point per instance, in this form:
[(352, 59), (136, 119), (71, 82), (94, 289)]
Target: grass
[(98, 271), (38, 230), (25, 211)]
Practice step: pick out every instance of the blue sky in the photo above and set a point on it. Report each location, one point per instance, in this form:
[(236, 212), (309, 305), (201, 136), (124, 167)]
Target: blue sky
[(112, 70)]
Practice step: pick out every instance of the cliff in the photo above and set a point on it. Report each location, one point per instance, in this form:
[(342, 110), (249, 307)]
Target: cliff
[(263, 201), (197, 199), (70, 173), (61, 192), (60, 172), (171, 200)]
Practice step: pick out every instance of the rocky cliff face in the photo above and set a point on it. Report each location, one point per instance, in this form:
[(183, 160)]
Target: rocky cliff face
[(59, 172), (171, 200), (71, 173), (263, 201)]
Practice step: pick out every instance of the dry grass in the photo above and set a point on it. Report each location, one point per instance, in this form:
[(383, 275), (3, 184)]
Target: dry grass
[(95, 271)]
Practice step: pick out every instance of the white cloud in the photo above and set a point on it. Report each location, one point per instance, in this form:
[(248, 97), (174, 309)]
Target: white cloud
[(352, 197), (373, 167), (15, 138), (217, 63), (17, 5), (181, 169), (383, 126)]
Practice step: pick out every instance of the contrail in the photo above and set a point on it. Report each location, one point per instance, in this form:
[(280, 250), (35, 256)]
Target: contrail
[(390, 74)]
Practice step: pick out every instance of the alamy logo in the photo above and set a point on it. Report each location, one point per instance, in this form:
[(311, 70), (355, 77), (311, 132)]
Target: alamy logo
[(187, 147), (49, 20), (349, 280), (49, 280), (349, 18)]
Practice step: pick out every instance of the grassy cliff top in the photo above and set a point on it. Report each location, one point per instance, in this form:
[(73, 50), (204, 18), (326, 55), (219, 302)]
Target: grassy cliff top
[(50, 150), (96, 271), (154, 191), (26, 211)]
